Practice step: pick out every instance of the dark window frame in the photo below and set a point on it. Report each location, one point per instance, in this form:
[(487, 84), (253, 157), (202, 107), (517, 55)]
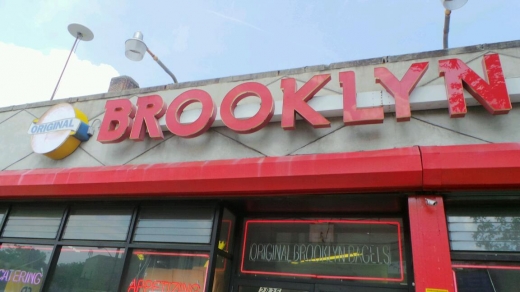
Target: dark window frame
[(128, 245), (239, 279)]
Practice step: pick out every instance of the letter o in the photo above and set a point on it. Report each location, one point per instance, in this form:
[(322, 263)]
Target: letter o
[(201, 124), (254, 123)]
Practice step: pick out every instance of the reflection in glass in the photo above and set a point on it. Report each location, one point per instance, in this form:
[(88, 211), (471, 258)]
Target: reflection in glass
[(226, 231), (154, 270), (487, 280), (221, 278), (369, 250), (33, 222), (489, 231), (266, 289), (23, 266), (82, 269), (106, 224), (166, 224)]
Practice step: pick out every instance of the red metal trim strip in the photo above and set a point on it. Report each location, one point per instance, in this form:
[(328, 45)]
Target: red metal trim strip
[(370, 171), (485, 267), (470, 167), (460, 167)]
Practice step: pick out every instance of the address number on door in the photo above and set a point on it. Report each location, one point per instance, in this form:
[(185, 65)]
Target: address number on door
[(267, 289)]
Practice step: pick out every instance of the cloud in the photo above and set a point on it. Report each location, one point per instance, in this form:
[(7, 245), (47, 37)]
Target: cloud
[(236, 20), (27, 75)]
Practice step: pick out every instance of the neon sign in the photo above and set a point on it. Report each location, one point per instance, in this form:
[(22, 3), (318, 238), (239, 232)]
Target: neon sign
[(358, 250), (20, 276), (163, 286)]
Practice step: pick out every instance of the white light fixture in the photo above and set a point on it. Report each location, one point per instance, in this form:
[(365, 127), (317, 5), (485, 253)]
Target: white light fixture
[(453, 4), (449, 5), (135, 50)]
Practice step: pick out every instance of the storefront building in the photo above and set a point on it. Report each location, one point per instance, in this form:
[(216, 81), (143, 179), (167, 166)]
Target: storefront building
[(392, 174)]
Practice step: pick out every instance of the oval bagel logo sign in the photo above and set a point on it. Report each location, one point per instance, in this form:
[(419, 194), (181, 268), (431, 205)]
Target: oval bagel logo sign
[(59, 131)]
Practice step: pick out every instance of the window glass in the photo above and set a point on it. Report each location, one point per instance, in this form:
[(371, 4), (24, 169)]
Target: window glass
[(222, 272), (22, 267), (159, 270), (105, 224), (87, 269), (484, 230), (181, 225), (33, 222), (487, 278), (226, 231), (2, 213), (362, 249)]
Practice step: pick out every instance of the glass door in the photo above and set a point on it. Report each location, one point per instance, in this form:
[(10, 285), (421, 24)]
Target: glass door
[(364, 288)]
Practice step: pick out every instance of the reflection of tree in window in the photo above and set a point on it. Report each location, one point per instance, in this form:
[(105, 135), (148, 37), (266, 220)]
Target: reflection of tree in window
[(18, 258), (497, 233)]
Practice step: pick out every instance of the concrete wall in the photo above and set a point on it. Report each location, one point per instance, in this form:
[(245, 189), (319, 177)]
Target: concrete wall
[(429, 127)]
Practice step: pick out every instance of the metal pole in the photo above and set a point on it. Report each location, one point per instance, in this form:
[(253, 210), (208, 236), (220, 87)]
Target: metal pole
[(162, 65), (62, 71), (447, 14)]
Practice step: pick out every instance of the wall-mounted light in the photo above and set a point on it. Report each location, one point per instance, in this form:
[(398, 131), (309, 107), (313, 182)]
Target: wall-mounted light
[(135, 49)]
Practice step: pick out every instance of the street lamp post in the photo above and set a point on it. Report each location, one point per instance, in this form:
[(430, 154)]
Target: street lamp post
[(135, 49), (450, 5)]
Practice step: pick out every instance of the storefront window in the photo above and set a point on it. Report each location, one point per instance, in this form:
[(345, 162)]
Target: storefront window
[(22, 267), (158, 270), (484, 230), (180, 225), (369, 250), (94, 224), (226, 231), (87, 269), (221, 278), (33, 222), (487, 278)]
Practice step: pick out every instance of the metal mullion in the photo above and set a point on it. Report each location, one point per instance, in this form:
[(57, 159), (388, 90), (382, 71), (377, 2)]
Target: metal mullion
[(92, 243), (54, 254), (127, 255), (215, 232), (28, 240), (51, 267), (239, 235), (63, 222), (159, 245), (224, 254), (4, 220)]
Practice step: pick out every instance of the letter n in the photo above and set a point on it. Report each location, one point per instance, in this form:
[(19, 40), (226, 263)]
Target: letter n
[(491, 93), (117, 123)]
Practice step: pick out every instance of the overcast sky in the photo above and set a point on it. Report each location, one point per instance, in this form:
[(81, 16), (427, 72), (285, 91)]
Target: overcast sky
[(209, 39)]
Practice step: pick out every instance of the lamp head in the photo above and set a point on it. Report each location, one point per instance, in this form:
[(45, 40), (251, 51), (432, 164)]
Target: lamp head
[(135, 48), (453, 4)]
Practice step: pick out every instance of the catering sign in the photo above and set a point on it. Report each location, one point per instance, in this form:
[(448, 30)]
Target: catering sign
[(59, 131)]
